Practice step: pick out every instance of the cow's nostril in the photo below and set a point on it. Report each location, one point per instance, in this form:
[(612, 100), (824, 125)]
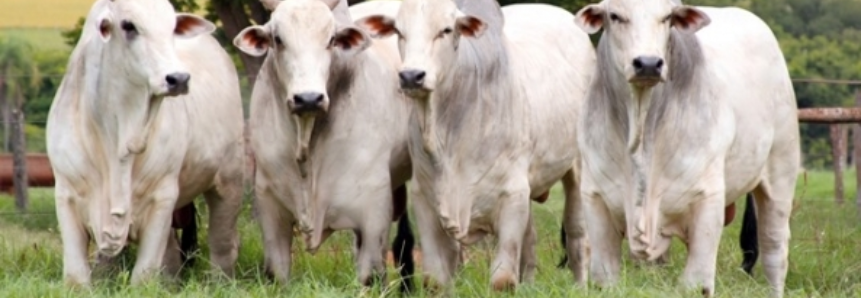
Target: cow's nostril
[(659, 64), (638, 64), (177, 79)]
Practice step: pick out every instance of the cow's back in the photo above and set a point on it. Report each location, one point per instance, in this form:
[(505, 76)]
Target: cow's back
[(213, 109), (553, 62), (746, 66)]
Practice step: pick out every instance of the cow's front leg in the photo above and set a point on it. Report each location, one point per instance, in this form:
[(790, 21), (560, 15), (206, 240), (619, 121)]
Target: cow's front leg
[(76, 267), (605, 251), (440, 252), (224, 204), (276, 225), (511, 225), (704, 235), (155, 231)]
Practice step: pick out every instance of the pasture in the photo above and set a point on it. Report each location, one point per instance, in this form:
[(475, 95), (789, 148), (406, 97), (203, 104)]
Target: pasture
[(824, 260)]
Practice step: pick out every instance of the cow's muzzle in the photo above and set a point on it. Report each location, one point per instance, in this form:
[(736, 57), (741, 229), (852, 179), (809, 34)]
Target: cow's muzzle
[(177, 83), (647, 70), (412, 78), (308, 102)]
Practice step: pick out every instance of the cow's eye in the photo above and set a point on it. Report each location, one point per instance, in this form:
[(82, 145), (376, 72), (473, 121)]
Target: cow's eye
[(128, 27), (447, 30), (667, 19), (615, 18)]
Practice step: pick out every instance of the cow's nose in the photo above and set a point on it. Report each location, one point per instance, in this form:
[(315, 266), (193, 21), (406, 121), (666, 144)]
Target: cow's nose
[(177, 83), (648, 66), (307, 102), (412, 78)]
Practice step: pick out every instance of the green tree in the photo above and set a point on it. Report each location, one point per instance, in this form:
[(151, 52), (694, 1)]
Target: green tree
[(19, 76)]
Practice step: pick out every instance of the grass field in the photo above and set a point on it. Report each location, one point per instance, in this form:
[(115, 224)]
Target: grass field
[(824, 260)]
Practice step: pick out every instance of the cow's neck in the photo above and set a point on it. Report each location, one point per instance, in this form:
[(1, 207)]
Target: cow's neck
[(470, 124), (119, 115), (672, 112)]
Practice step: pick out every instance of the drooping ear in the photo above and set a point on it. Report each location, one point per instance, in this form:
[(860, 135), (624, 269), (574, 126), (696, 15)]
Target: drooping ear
[(590, 18), (254, 41), (470, 26), (689, 19), (351, 39), (189, 25), (270, 4), (378, 26), (104, 25)]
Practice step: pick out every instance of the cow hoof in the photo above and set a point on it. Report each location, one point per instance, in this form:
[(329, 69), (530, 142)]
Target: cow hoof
[(504, 281)]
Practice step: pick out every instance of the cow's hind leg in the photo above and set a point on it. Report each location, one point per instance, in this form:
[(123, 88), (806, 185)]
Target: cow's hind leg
[(371, 265), (773, 208), (574, 224), (224, 202), (528, 257), (512, 226), (76, 266), (172, 255)]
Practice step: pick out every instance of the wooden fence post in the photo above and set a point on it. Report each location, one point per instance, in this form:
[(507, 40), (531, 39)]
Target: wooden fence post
[(838, 155), (19, 159), (856, 138)]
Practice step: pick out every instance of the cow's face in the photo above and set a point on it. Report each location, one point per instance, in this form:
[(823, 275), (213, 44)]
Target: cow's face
[(140, 35), (638, 33), (429, 32), (302, 39)]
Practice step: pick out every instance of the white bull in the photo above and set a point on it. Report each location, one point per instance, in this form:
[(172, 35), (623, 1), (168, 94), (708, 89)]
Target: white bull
[(492, 125), (329, 130), (691, 108), (148, 117)]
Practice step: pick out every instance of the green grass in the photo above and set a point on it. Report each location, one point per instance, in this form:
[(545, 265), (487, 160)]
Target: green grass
[(42, 39), (823, 260)]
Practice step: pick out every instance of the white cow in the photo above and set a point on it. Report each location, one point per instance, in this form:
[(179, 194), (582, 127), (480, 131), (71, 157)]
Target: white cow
[(329, 130), (492, 125), (148, 117), (691, 108)]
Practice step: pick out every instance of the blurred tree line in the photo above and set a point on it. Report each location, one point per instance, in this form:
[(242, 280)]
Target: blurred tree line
[(820, 39)]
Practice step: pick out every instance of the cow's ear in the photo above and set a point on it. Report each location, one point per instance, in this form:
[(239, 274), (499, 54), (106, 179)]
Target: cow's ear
[(590, 18), (104, 23), (189, 25), (378, 26), (470, 26), (351, 40), (254, 41), (689, 19)]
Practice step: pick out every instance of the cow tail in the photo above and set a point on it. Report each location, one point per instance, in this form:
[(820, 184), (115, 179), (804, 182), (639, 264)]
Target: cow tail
[(747, 238), (402, 249), (188, 243), (564, 262), (402, 246)]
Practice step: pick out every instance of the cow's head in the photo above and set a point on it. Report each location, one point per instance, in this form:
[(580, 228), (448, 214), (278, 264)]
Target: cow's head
[(638, 33), (302, 39), (429, 32), (140, 35)]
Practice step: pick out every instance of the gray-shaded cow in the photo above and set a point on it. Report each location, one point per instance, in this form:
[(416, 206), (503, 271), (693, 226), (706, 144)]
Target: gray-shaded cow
[(148, 117), (691, 108), (492, 126), (329, 131)]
